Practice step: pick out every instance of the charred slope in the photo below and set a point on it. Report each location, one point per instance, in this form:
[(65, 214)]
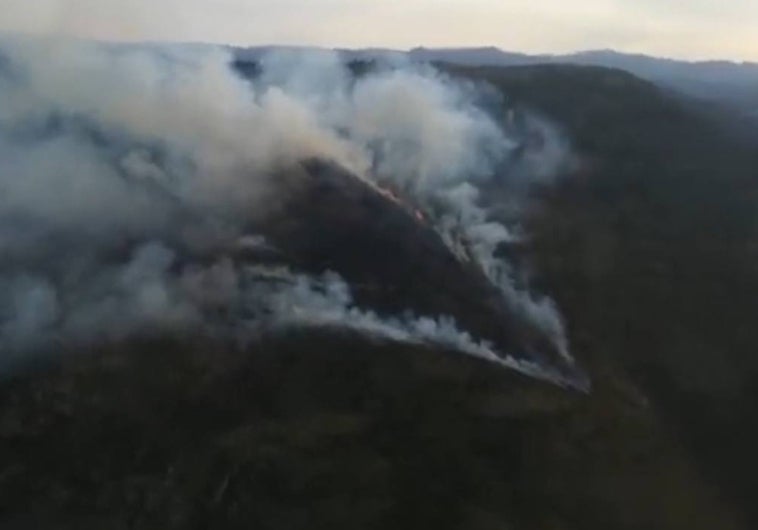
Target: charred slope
[(332, 220)]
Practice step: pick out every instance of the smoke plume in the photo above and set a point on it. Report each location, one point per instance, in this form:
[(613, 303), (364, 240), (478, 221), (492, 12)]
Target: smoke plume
[(326, 301), (127, 174)]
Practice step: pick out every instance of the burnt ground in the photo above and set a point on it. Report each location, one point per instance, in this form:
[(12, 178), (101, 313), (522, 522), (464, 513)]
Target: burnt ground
[(395, 262)]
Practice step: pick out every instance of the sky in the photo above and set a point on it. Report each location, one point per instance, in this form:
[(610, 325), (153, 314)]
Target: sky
[(687, 29)]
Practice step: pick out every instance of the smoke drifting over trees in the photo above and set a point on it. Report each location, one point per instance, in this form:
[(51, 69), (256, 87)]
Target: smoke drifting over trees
[(129, 175)]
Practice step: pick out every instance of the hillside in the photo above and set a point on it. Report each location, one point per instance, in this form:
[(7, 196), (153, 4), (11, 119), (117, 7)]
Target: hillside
[(651, 251), (647, 243), (320, 431), (727, 82), (728, 85)]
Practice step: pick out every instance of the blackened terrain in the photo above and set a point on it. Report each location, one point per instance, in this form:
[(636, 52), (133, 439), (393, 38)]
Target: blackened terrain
[(396, 262)]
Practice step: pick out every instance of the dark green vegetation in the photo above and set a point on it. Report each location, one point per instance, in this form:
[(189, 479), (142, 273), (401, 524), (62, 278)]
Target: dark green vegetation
[(648, 248), (332, 432), (651, 251)]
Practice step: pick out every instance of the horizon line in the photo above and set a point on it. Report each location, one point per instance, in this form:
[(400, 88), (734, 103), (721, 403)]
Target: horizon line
[(389, 49)]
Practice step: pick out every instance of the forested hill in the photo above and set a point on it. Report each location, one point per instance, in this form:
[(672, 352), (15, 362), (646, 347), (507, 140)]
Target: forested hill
[(646, 241), (652, 251)]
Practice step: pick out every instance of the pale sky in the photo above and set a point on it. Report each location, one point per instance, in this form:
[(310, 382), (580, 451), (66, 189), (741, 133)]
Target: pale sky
[(690, 29)]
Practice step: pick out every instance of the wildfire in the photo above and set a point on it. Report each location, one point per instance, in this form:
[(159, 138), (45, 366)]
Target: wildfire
[(389, 193)]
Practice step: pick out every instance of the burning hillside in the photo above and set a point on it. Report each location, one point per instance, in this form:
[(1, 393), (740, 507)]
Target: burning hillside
[(136, 178), (296, 299)]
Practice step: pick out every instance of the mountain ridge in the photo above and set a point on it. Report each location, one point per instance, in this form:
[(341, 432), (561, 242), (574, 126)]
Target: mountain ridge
[(734, 83)]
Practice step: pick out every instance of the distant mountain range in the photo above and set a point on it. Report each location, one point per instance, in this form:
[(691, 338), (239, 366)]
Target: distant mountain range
[(734, 83), (709, 79)]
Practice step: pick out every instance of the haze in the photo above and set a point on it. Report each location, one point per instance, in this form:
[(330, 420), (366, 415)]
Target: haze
[(689, 29)]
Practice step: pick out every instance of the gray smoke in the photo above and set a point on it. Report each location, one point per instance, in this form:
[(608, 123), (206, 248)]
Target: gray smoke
[(298, 300), (120, 165)]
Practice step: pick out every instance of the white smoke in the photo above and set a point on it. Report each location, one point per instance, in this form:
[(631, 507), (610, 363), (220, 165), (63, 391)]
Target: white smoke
[(117, 164), (327, 301)]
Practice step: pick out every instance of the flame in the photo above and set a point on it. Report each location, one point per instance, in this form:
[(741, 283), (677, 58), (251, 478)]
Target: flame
[(390, 194)]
